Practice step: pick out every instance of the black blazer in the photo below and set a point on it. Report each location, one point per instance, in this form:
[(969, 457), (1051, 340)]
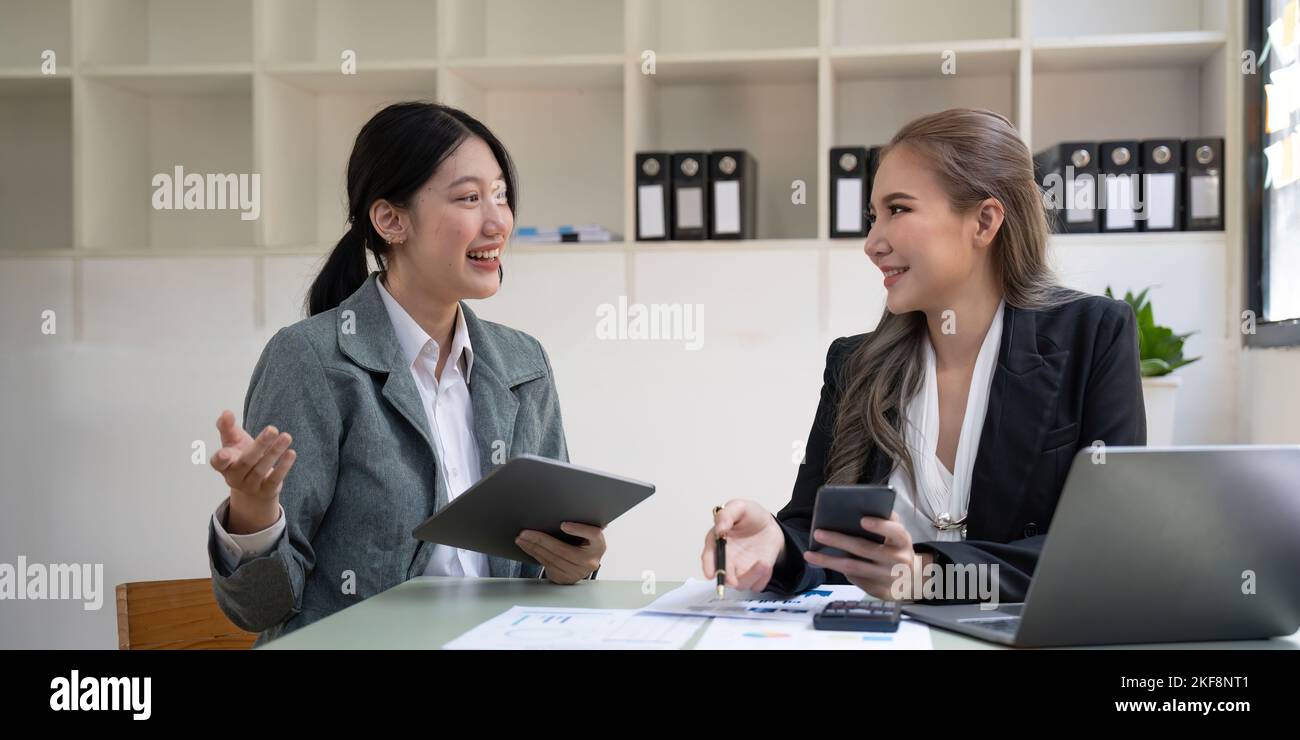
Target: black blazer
[(1065, 377)]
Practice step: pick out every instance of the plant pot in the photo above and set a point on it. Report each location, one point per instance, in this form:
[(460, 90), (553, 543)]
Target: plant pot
[(1159, 394)]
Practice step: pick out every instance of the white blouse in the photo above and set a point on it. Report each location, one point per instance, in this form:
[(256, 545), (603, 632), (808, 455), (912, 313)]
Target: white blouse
[(943, 495), (451, 419)]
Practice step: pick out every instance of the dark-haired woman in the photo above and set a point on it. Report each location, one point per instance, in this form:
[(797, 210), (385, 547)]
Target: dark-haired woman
[(392, 398), (971, 396)]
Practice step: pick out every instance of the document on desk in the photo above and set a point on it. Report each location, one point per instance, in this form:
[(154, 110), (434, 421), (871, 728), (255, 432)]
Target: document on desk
[(700, 598), (746, 634), (545, 628)]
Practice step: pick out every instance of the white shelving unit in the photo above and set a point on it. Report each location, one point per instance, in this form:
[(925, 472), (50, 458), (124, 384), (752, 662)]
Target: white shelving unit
[(255, 86)]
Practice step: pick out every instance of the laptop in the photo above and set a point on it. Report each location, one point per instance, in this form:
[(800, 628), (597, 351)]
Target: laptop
[(1172, 544)]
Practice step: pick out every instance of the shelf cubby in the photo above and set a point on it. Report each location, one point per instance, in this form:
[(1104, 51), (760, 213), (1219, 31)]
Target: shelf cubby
[(309, 130), (691, 27), (30, 28), (163, 33), (133, 130), (316, 33), (1163, 98), (36, 149), (858, 23), (862, 120), (562, 123), (1069, 19), (512, 29), (764, 102)]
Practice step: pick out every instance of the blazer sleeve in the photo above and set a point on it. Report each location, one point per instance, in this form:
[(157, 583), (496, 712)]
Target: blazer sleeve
[(1113, 412), (793, 574), (289, 389)]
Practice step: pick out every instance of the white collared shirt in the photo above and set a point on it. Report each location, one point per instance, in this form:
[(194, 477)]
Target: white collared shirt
[(940, 491), (451, 419), (447, 406)]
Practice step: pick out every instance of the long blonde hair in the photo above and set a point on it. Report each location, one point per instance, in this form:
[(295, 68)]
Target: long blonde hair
[(976, 154)]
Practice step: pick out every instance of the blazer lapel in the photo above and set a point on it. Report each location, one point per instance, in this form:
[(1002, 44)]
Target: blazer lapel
[(495, 408), (365, 335), (1022, 402), (401, 393)]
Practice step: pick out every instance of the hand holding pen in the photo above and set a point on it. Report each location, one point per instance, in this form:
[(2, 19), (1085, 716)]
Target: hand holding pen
[(720, 557), (742, 547)]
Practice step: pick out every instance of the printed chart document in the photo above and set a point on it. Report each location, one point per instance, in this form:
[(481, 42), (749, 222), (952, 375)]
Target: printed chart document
[(545, 628), (698, 597), (748, 634)]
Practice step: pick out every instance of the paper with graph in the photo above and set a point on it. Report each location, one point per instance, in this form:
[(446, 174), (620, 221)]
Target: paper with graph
[(747, 634), (545, 628), (700, 598)]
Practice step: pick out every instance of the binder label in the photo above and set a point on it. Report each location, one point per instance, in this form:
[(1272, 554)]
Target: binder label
[(1205, 196), (650, 211), (1160, 205), (690, 208), (726, 207), (848, 204)]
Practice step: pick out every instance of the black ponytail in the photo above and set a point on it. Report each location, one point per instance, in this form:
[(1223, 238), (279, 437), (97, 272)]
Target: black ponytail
[(395, 153), (345, 270)]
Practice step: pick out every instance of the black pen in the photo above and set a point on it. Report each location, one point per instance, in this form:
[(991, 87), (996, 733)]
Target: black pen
[(720, 558)]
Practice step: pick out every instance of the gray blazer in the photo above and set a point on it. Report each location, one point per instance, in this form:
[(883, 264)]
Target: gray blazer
[(366, 473)]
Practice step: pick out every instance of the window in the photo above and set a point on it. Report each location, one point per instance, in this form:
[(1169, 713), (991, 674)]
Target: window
[(1272, 98)]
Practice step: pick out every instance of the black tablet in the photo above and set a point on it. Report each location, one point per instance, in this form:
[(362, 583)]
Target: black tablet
[(530, 492)]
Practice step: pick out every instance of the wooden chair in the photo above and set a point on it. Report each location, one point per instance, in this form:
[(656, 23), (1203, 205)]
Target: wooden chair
[(175, 615)]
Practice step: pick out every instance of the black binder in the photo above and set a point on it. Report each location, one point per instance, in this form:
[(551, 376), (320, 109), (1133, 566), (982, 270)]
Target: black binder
[(654, 202), (733, 211), (1162, 185), (1069, 170), (690, 175), (1119, 185), (849, 176), (1203, 184)]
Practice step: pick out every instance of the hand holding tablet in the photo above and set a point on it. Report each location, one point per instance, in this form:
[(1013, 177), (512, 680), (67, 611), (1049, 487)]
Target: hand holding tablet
[(531, 493)]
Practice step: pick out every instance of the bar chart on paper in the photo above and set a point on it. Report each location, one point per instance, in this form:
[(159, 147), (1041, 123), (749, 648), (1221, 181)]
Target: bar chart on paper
[(699, 597), (742, 634), (538, 628)]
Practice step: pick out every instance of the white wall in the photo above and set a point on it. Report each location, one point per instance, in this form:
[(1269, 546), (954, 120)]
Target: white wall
[(1270, 405), (96, 453)]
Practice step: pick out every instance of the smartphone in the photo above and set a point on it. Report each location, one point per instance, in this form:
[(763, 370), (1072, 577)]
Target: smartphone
[(841, 508)]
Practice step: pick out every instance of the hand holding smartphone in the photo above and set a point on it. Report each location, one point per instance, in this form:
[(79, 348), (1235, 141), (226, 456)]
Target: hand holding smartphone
[(841, 508)]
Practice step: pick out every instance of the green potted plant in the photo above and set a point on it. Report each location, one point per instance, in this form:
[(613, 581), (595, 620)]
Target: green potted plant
[(1161, 352)]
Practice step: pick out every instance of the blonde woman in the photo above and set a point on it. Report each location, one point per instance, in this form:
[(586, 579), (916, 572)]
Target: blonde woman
[(972, 394)]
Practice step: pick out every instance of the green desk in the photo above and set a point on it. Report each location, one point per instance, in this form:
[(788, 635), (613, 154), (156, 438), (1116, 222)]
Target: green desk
[(430, 611)]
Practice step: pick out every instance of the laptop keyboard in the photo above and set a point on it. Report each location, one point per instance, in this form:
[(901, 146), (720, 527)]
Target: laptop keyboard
[(1003, 626), (994, 622)]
